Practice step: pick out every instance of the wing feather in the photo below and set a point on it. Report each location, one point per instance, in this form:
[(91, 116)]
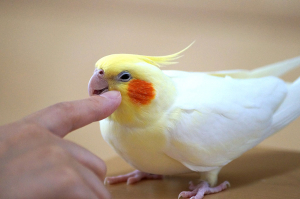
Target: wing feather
[(220, 117)]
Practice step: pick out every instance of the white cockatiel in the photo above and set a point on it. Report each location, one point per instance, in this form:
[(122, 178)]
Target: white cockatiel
[(172, 122)]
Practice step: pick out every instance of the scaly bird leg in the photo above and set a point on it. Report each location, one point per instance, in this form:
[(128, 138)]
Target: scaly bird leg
[(131, 178), (198, 191)]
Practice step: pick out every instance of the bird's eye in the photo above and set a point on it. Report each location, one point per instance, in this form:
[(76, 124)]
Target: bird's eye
[(124, 76)]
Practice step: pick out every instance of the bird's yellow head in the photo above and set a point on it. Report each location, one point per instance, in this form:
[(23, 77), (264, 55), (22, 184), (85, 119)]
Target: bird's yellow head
[(146, 91)]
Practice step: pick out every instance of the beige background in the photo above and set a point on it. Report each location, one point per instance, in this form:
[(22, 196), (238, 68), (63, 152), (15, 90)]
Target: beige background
[(48, 48)]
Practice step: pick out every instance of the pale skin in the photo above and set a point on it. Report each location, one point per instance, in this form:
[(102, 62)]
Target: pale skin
[(35, 162)]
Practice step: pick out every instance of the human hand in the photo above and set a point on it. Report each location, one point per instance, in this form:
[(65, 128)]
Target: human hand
[(36, 163)]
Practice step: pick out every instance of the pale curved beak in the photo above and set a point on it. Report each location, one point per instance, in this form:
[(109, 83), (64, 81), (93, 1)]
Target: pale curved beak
[(97, 84)]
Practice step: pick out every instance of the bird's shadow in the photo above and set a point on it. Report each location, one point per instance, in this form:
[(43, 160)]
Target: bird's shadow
[(254, 166), (259, 164)]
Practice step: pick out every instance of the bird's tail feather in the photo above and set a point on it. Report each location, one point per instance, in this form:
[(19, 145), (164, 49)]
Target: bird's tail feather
[(277, 69), (289, 110)]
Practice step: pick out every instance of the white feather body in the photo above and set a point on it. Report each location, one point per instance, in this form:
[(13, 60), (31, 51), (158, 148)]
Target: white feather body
[(215, 118)]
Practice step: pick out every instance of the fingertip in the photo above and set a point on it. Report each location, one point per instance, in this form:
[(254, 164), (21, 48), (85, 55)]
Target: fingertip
[(111, 98), (107, 103), (114, 98)]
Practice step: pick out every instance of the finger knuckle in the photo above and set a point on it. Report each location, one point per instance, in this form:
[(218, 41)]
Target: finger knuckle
[(55, 153), (67, 109), (68, 176), (63, 107), (72, 183)]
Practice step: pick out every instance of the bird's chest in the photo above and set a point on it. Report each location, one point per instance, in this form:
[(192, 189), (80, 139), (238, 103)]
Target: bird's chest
[(143, 148)]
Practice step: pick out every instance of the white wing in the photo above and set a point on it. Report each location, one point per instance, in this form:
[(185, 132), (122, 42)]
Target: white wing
[(220, 118)]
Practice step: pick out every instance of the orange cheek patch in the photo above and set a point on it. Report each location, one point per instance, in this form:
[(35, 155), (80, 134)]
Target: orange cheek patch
[(140, 92)]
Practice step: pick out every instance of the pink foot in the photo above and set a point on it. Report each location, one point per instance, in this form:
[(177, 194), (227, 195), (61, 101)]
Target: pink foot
[(198, 192), (131, 178)]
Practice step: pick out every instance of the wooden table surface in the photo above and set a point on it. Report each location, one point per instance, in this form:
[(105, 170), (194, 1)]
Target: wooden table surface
[(259, 173)]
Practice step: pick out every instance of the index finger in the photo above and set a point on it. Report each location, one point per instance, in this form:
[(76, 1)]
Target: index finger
[(65, 117)]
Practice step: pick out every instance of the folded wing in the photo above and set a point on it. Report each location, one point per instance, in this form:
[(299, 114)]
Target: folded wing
[(220, 118)]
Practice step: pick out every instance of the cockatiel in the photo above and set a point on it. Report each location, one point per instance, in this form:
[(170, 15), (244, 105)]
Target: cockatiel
[(172, 122)]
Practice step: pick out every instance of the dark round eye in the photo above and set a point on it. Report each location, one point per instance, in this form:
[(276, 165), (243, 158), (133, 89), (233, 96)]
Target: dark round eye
[(124, 76)]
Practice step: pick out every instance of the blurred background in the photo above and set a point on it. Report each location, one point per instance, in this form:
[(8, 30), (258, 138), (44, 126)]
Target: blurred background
[(48, 48)]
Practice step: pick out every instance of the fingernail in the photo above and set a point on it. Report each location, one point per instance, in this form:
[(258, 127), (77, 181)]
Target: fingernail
[(111, 95)]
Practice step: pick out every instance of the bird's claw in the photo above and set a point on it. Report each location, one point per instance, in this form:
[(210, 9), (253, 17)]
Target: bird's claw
[(198, 191)]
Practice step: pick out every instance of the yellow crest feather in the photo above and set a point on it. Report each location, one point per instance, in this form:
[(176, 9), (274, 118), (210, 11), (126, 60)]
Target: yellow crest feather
[(122, 59), (159, 61)]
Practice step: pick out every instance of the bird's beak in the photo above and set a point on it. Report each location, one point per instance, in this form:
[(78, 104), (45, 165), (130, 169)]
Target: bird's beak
[(97, 84)]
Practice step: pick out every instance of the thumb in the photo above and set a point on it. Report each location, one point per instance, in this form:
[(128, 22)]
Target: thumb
[(65, 117)]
